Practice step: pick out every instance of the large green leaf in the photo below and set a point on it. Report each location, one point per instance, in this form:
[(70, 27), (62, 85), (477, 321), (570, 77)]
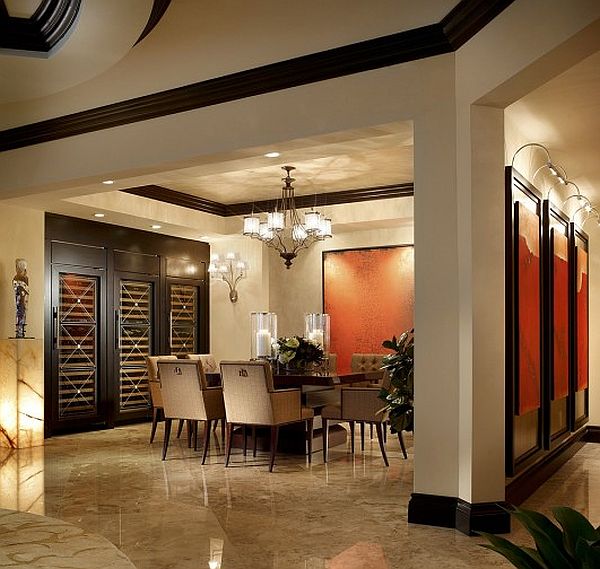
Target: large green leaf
[(588, 555), (518, 556), (548, 539), (574, 526)]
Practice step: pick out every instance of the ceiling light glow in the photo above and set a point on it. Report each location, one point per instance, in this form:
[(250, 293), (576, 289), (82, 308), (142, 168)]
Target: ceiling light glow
[(98, 215), (156, 226), (272, 154), (108, 182)]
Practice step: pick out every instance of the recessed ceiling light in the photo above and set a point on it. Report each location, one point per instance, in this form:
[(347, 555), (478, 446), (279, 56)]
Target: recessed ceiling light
[(98, 215), (272, 155), (108, 182), (156, 226)]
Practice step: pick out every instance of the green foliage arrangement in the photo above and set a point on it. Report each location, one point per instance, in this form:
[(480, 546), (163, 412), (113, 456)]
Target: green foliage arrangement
[(399, 397), (573, 545), (297, 352)]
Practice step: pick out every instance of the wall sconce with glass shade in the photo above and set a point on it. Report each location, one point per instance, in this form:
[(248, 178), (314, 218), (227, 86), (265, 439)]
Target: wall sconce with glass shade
[(263, 335), (230, 270)]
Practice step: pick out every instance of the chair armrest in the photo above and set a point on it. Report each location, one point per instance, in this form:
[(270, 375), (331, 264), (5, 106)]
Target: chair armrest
[(287, 406), (286, 390), (362, 404)]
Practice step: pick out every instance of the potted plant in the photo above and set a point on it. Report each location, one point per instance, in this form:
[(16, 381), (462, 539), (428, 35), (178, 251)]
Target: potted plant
[(297, 353), (399, 395), (573, 545)]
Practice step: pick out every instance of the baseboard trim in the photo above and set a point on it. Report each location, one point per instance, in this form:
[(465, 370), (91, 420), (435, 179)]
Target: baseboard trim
[(490, 517), (432, 510), (592, 434)]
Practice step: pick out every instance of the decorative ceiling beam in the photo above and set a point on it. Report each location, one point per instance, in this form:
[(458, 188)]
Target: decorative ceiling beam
[(165, 195), (462, 23)]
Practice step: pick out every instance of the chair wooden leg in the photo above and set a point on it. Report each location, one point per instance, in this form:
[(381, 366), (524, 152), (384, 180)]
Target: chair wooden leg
[(154, 423), (195, 426), (207, 431), (215, 424), (379, 429), (190, 433), (371, 427), (274, 438), (229, 431), (402, 445), (385, 426), (180, 427), (309, 435), (325, 431), (352, 435), (168, 423), (223, 430), (245, 439), (254, 441), (362, 437)]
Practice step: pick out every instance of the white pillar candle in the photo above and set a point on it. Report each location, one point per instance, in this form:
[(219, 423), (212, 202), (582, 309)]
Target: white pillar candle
[(263, 344), (316, 336)]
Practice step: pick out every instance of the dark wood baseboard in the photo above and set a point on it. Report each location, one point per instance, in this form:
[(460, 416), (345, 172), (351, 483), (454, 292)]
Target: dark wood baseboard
[(592, 434), (491, 517), (432, 510)]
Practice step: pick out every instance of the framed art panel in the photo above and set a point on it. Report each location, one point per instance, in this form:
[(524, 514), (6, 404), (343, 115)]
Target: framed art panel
[(525, 367), (369, 294), (580, 327), (556, 269)]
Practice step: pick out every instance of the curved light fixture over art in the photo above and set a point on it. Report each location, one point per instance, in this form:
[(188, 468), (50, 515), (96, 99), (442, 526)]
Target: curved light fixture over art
[(283, 230)]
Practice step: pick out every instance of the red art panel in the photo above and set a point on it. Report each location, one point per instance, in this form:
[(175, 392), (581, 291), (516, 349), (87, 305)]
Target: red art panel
[(369, 294), (582, 319), (528, 285), (560, 281)]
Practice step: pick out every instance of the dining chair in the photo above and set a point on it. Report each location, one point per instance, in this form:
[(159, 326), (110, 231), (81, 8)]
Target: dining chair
[(155, 393), (358, 404), (187, 396), (251, 399), (209, 364)]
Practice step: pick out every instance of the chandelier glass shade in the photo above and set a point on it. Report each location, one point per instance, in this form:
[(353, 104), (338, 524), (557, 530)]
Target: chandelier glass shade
[(283, 229)]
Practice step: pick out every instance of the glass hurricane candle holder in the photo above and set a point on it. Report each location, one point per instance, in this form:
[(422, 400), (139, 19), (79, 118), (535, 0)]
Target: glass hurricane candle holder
[(263, 334), (317, 329)]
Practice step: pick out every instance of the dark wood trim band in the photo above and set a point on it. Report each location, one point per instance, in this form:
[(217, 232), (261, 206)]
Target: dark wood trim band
[(592, 434), (159, 7), (182, 199), (40, 33), (529, 480), (464, 21)]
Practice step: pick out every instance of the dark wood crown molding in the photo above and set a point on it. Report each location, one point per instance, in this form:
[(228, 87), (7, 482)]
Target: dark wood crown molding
[(40, 33), (158, 11), (462, 23), (190, 201)]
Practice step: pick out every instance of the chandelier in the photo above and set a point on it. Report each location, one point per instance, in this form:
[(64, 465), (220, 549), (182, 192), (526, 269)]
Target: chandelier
[(282, 230)]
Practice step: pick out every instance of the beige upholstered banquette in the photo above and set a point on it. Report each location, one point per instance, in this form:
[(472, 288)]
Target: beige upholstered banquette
[(366, 362)]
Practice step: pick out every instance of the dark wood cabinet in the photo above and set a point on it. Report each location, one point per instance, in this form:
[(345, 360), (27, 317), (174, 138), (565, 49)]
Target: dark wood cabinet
[(116, 295)]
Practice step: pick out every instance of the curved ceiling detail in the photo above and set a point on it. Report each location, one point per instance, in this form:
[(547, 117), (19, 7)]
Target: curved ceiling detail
[(40, 33), (158, 10), (105, 31)]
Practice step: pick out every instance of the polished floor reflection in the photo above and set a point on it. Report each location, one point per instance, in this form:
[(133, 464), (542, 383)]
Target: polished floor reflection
[(348, 514)]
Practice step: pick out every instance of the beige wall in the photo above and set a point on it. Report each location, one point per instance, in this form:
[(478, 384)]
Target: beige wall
[(21, 235), (298, 290)]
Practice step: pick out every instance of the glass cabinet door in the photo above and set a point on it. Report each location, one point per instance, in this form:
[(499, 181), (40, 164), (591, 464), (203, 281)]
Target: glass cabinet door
[(183, 316), (76, 345), (134, 339)]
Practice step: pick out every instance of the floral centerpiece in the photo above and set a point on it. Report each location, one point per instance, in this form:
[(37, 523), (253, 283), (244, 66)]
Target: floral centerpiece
[(297, 352)]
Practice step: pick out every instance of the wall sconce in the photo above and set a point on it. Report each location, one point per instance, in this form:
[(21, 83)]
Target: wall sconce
[(230, 270)]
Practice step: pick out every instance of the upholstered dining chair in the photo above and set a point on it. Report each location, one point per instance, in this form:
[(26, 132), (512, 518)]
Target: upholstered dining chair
[(358, 404), (187, 396), (250, 399), (155, 393), (209, 364)]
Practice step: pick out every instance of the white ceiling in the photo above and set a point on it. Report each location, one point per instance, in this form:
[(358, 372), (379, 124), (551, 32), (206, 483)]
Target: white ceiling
[(564, 114)]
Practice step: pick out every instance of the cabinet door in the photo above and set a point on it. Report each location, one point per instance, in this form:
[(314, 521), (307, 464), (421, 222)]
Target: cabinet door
[(78, 393), (185, 306), (135, 339)]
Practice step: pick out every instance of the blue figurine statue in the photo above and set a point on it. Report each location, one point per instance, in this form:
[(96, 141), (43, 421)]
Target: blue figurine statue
[(21, 288)]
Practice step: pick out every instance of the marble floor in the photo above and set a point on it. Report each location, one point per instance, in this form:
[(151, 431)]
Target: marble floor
[(348, 514)]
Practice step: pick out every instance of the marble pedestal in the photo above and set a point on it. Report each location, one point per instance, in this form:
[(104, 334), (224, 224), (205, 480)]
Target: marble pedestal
[(21, 392)]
